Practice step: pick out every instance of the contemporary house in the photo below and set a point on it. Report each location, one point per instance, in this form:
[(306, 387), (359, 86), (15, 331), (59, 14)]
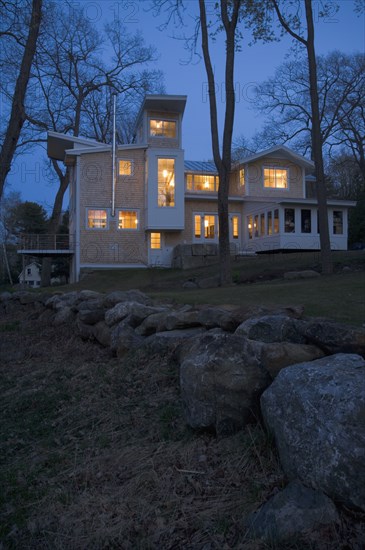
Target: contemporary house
[(138, 206)]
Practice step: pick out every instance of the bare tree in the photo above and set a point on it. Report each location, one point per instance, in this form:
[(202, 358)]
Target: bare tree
[(17, 117), (292, 27)]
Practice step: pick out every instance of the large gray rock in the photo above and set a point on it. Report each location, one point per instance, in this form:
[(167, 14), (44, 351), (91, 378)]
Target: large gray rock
[(102, 333), (316, 412), (117, 296), (221, 381), (273, 328), (279, 355), (152, 324), (91, 317), (123, 309), (334, 337), (291, 513), (123, 339), (64, 316)]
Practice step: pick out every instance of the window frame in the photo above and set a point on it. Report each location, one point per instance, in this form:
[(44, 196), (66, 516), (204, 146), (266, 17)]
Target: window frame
[(132, 167), (173, 159), (201, 175), (106, 210), (163, 120), (159, 238), (137, 211), (275, 168), (334, 222)]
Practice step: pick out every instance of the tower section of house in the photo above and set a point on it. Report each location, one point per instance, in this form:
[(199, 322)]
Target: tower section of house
[(159, 126)]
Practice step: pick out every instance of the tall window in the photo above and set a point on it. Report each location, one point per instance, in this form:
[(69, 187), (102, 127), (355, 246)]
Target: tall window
[(262, 224), (125, 167), (276, 178), (276, 221), (250, 226), (242, 177), (337, 222), (127, 219), (209, 227), (197, 226), (306, 221), (166, 182), (289, 220), (97, 219), (235, 230), (156, 241), (163, 128), (269, 223)]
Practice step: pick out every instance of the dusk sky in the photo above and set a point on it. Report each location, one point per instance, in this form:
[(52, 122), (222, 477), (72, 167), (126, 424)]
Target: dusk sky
[(344, 31)]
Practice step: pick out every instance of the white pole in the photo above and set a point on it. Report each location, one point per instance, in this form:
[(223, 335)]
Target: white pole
[(113, 157)]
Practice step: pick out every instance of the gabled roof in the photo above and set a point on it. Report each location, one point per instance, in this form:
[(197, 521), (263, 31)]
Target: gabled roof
[(279, 151), (199, 166)]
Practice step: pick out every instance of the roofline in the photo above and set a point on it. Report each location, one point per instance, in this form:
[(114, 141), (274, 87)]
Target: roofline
[(299, 158), (159, 97), (76, 139)]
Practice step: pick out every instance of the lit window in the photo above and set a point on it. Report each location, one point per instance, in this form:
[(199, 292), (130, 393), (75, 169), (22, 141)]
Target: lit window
[(197, 226), (202, 182), (97, 219), (337, 222), (256, 225), (166, 182), (306, 223), (234, 227), (276, 178), (242, 177), (125, 168), (127, 219), (163, 128), (269, 223), (289, 220), (156, 241), (209, 227), (250, 226)]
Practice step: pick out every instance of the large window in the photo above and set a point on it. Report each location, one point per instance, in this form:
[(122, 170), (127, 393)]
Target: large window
[(262, 224), (269, 223), (289, 220), (127, 219), (163, 128), (97, 219), (125, 167), (242, 177), (306, 221), (202, 182), (235, 230), (206, 226), (156, 241), (250, 226), (166, 182), (276, 178), (276, 221), (337, 222)]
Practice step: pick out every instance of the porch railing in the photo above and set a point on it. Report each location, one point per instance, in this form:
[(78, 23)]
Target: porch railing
[(46, 242)]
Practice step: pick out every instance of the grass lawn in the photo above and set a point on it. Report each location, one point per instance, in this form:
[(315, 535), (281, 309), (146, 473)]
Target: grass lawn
[(258, 282)]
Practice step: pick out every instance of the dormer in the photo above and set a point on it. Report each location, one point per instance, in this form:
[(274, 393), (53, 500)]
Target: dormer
[(159, 122)]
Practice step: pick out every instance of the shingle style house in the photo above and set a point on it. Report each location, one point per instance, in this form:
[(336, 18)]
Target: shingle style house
[(158, 200)]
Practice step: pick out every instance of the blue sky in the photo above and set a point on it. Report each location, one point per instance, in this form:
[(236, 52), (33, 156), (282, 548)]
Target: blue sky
[(343, 31)]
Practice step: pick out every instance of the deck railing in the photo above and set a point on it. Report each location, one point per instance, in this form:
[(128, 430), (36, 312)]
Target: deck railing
[(46, 242)]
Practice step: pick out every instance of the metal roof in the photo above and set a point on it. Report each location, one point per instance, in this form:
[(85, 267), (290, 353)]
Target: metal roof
[(199, 166)]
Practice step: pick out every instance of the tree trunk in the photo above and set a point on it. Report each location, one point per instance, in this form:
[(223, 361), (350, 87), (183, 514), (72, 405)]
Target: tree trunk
[(326, 256), (17, 115)]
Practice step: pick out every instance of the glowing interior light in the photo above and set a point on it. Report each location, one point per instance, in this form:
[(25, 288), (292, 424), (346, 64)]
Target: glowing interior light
[(250, 226), (164, 173), (206, 184), (172, 183), (206, 223)]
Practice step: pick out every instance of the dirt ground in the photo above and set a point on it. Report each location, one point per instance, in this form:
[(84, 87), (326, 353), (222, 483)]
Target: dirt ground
[(95, 454)]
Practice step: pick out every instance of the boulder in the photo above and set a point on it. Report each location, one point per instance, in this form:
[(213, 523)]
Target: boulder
[(316, 413), (5, 296), (123, 309), (179, 320), (279, 355), (273, 328), (86, 332), (292, 512), (221, 381), (64, 316), (90, 295), (334, 337), (91, 317), (152, 323), (102, 333), (117, 296), (123, 339)]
